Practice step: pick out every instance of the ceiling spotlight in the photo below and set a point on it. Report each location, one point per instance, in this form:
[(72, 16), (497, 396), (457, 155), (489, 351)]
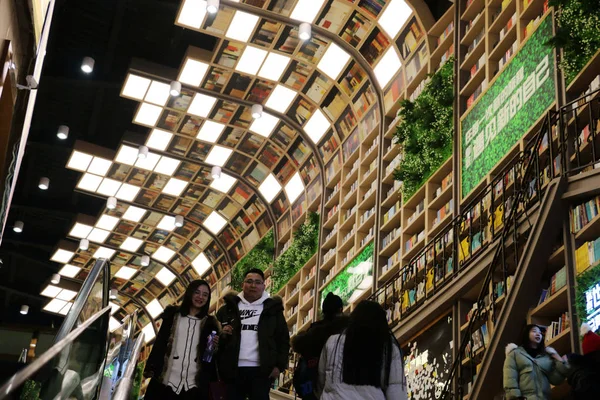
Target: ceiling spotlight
[(175, 88), (111, 203), (113, 294), (145, 261), (24, 309), (55, 280), (305, 31), (179, 221), (84, 244), (142, 152), (87, 65), (212, 6), (18, 227), (257, 111), (63, 132), (44, 183), (216, 172)]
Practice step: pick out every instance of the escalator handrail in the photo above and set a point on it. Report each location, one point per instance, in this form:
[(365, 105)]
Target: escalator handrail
[(29, 371), (126, 382), (81, 299)]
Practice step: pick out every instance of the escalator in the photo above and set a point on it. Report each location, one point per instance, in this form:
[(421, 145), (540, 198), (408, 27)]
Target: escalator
[(74, 367)]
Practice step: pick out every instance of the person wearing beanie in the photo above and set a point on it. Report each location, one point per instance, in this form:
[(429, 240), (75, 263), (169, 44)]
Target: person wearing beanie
[(309, 344), (530, 368), (584, 371)]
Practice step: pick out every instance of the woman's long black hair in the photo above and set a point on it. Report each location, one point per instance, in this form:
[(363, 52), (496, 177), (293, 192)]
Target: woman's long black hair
[(526, 343), (184, 309), (369, 346)]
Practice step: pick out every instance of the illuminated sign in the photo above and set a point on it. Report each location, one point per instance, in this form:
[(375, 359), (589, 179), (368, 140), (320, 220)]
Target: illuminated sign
[(355, 279), (592, 306)]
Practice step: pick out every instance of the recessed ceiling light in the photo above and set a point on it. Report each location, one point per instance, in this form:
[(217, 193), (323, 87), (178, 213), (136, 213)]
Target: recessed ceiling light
[(112, 294), (142, 152), (84, 244), (179, 221), (79, 161), (147, 114), (175, 88), (63, 132), (316, 126), (44, 183), (251, 60), (165, 276), (80, 230), (219, 155), (224, 183), (107, 222), (193, 72), (65, 309), (264, 125), (242, 26), (159, 139), (281, 98), (111, 203), (154, 308), (24, 310), (66, 295), (104, 252), (89, 182), (158, 93), (269, 188), (201, 264), (192, 13), (87, 65), (135, 87), (387, 67), (163, 254), (201, 105), (125, 273), (62, 256), (18, 226), (167, 223), (167, 165), (256, 111), (108, 187), (149, 162), (210, 131), (215, 172), (145, 260), (274, 66), (212, 6), (55, 305), (214, 222), (127, 155), (306, 10), (174, 187), (294, 187), (333, 61), (131, 244), (55, 279), (134, 214), (394, 17), (127, 192), (99, 166), (304, 31), (98, 235), (70, 271), (148, 330), (51, 291)]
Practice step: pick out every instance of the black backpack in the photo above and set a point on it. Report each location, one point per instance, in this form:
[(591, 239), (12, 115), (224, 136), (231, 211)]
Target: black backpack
[(306, 375)]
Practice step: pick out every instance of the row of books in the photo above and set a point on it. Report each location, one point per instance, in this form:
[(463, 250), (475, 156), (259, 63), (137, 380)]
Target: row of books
[(371, 190), (349, 213), (349, 256), (557, 327), (327, 256), (511, 22), (335, 190), (445, 184), (332, 211), (557, 282), (478, 66), (443, 212), (447, 32), (332, 233), (583, 214), (394, 209), (414, 239), (393, 260), (479, 340), (480, 37), (390, 237), (367, 238), (587, 255), (367, 214), (509, 53), (418, 210), (350, 234), (477, 93)]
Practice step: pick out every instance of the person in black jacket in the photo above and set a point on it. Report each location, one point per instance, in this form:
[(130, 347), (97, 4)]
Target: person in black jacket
[(175, 363), (310, 343), (254, 346), (584, 371)]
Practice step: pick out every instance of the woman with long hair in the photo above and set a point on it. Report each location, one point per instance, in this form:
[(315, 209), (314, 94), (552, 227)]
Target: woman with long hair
[(530, 368), (176, 363), (364, 362)]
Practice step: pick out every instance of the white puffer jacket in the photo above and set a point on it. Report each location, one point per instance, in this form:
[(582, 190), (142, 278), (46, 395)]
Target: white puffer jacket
[(330, 376)]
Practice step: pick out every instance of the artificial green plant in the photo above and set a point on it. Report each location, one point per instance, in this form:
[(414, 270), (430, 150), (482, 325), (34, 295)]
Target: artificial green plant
[(587, 279), (261, 257)]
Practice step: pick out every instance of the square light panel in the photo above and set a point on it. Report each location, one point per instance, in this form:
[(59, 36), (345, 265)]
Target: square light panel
[(387, 67), (193, 72), (218, 155), (107, 222), (55, 305), (80, 230), (201, 264), (104, 252), (270, 188), (158, 93), (316, 126), (333, 61), (89, 182), (135, 87), (113, 324), (134, 214), (147, 114), (294, 187), (51, 291), (131, 244), (98, 235), (113, 307), (394, 17), (62, 256), (149, 162), (251, 60), (127, 192), (163, 254), (108, 187), (125, 273), (242, 26), (127, 155), (174, 187), (99, 166), (201, 105), (65, 309), (149, 333), (224, 183), (192, 13), (306, 10), (70, 271), (214, 222), (264, 125), (280, 99), (274, 66), (210, 131), (159, 139), (66, 295), (154, 308), (79, 161), (167, 166), (165, 276), (167, 223)]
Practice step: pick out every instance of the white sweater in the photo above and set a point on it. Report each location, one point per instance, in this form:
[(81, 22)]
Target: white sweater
[(249, 316), (333, 388)]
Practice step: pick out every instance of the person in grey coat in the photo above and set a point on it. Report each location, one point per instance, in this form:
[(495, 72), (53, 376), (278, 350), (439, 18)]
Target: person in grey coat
[(364, 362), (529, 369)]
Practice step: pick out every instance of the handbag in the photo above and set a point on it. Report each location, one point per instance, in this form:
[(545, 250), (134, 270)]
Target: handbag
[(217, 390)]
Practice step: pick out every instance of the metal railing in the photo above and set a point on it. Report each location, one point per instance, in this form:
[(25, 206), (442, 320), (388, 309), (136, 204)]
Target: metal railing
[(125, 385)]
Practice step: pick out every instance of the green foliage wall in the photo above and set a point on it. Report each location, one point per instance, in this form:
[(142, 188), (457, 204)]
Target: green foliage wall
[(578, 33), (303, 247), (585, 280), (426, 131), (261, 256)]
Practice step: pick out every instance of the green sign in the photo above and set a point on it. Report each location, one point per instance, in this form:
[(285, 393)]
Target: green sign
[(355, 279), (519, 96)]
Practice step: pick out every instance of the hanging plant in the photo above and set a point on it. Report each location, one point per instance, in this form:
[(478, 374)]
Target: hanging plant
[(426, 130), (303, 247), (577, 34), (261, 257), (585, 281)]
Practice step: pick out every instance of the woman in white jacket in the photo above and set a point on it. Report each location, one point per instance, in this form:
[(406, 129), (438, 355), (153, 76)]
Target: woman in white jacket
[(364, 362)]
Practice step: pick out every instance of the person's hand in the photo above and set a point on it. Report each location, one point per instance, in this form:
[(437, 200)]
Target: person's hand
[(275, 373), (228, 330), (553, 353), (215, 340)]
